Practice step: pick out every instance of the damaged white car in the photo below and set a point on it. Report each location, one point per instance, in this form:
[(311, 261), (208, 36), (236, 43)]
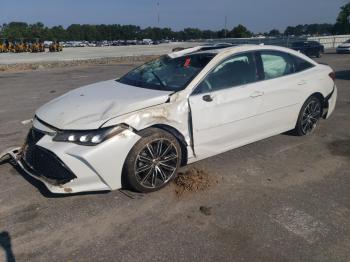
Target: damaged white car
[(184, 107)]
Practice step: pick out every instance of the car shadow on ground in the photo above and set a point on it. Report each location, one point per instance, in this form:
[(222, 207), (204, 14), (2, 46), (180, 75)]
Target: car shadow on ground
[(125, 190), (343, 75), (44, 191), (5, 243), (290, 133)]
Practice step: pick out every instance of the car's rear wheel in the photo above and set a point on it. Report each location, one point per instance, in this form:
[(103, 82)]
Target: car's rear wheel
[(309, 116), (153, 162)]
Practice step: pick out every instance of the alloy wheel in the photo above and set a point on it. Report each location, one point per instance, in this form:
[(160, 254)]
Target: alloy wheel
[(311, 115), (156, 163)]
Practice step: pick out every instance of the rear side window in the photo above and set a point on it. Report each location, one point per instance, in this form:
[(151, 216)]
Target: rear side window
[(235, 71), (301, 64), (276, 64)]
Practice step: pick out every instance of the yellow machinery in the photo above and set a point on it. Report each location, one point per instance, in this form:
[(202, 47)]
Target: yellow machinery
[(26, 46), (34, 47), (41, 47), (55, 47), (3, 47), (20, 47), (11, 47)]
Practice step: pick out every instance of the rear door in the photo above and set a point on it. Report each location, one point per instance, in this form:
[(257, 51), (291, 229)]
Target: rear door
[(281, 87)]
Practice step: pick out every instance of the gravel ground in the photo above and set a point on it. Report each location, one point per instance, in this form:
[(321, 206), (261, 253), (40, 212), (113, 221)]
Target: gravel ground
[(281, 199), (82, 56)]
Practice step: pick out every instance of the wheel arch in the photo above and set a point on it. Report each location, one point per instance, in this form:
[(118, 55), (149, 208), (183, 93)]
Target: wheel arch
[(324, 102), (179, 137)]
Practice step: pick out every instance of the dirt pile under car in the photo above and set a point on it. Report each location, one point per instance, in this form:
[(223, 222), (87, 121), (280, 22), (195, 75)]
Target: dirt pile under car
[(193, 180)]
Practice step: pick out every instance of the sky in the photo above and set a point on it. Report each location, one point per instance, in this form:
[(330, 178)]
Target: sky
[(257, 15)]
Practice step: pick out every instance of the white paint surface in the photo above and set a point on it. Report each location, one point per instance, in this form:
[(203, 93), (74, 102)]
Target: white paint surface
[(300, 223)]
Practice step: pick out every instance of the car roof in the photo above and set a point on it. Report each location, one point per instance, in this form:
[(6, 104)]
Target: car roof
[(241, 48), (207, 49), (228, 51)]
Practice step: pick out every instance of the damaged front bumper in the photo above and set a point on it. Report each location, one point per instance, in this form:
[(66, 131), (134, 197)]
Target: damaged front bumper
[(70, 168)]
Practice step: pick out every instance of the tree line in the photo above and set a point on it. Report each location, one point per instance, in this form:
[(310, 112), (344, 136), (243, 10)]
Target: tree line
[(22, 30)]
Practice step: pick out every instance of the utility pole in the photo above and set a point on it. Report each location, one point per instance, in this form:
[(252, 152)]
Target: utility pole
[(158, 14), (225, 26)]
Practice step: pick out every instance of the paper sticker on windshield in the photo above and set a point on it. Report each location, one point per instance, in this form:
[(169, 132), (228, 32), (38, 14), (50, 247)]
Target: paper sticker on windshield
[(187, 62)]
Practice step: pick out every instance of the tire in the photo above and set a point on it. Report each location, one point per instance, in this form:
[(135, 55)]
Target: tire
[(153, 162), (319, 54), (309, 116)]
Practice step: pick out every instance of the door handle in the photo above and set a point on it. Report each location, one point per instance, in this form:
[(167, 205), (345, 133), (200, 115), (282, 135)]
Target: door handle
[(302, 82), (256, 94), (207, 98)]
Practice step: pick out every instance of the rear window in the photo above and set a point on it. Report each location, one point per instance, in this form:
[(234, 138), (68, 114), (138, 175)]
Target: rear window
[(301, 64), (276, 64)]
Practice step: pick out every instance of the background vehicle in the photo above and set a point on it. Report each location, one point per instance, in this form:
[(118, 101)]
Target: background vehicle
[(309, 48), (139, 129), (344, 48), (147, 42)]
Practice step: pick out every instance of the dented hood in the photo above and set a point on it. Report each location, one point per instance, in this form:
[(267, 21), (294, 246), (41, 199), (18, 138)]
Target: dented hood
[(90, 106)]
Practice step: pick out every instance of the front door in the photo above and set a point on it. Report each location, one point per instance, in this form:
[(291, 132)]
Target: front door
[(225, 105)]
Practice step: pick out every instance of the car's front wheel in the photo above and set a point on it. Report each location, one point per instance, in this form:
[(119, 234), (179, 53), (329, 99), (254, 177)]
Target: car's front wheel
[(309, 116), (153, 161)]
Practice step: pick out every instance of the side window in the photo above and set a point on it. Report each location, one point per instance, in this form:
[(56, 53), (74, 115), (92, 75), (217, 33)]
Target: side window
[(276, 64), (301, 64), (235, 71)]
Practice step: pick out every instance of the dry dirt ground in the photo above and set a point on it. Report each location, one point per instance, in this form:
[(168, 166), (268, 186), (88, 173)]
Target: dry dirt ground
[(281, 199)]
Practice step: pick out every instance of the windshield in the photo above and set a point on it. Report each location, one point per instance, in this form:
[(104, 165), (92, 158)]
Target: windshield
[(165, 73)]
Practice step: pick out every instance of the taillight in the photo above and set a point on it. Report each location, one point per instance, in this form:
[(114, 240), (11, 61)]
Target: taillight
[(332, 75)]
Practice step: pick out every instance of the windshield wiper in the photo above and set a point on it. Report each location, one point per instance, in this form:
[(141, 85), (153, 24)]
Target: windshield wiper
[(158, 78)]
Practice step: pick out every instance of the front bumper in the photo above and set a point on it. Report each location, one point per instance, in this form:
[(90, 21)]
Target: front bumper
[(70, 168)]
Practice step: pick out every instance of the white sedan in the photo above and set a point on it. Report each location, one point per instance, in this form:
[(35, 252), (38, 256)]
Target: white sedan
[(344, 48), (137, 131)]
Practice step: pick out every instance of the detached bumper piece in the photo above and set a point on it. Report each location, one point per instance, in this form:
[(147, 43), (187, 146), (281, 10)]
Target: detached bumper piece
[(43, 163)]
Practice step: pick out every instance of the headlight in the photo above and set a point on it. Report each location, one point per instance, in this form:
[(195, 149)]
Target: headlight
[(89, 137)]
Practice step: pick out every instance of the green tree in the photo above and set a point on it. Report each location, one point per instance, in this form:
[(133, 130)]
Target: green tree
[(192, 33), (57, 33), (240, 31), (342, 26), (15, 30), (274, 32)]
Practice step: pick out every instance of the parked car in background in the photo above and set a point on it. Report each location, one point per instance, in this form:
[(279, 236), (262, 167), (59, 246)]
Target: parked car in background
[(309, 48), (47, 43), (344, 48), (91, 44), (139, 129), (147, 42)]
